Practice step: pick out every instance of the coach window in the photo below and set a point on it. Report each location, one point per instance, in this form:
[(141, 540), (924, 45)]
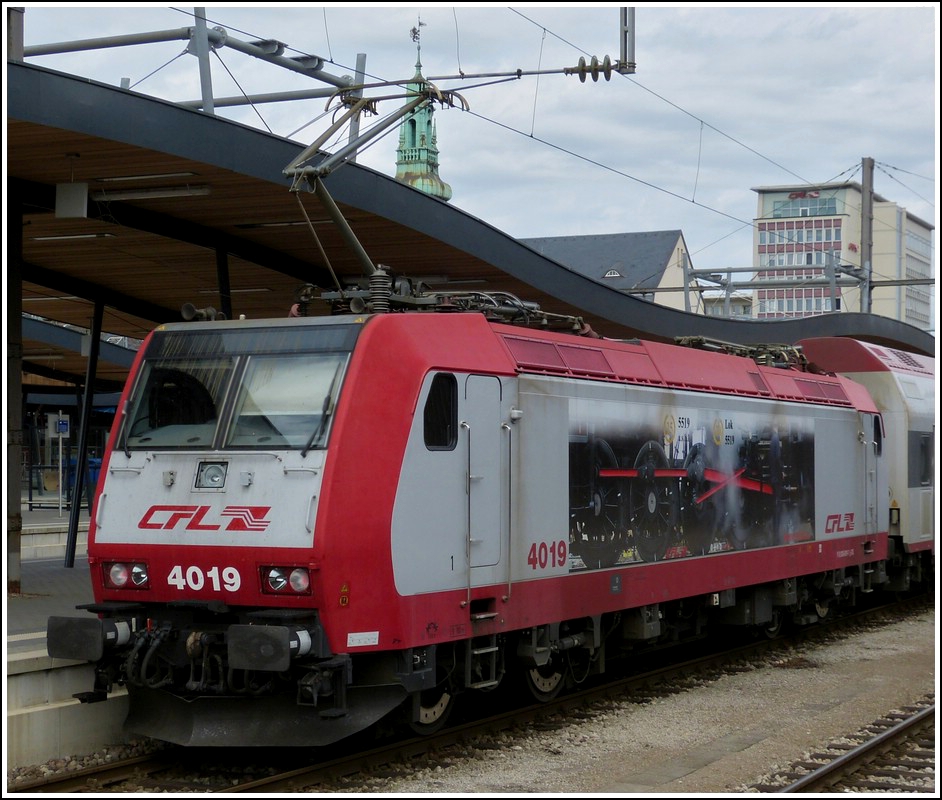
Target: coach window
[(923, 453), (441, 413)]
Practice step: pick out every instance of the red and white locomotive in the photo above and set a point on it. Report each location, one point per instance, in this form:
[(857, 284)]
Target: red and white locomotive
[(305, 524)]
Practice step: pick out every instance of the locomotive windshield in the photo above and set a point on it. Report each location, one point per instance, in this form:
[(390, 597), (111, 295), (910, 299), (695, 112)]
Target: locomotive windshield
[(240, 389)]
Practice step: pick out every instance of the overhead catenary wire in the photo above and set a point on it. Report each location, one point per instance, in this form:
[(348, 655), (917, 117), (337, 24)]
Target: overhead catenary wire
[(908, 188)]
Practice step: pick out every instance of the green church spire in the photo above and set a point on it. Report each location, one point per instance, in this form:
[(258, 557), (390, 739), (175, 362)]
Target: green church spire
[(417, 155)]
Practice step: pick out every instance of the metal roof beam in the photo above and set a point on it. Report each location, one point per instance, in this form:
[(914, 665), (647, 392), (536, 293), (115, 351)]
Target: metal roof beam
[(264, 50), (91, 291), (75, 382), (44, 197), (71, 339)]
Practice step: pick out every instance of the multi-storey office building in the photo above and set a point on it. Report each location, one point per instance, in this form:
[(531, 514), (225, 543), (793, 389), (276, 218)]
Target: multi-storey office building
[(808, 251)]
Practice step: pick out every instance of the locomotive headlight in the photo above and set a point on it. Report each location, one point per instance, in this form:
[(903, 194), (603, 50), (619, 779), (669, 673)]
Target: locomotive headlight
[(211, 475), (119, 575), (139, 575), (300, 580), (286, 580), (277, 579)]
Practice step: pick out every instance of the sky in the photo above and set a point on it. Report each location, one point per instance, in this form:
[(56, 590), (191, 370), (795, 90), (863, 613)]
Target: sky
[(724, 98)]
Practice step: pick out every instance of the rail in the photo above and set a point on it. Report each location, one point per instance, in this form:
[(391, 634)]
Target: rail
[(855, 760)]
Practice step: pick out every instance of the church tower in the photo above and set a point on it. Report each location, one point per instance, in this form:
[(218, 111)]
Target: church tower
[(417, 155)]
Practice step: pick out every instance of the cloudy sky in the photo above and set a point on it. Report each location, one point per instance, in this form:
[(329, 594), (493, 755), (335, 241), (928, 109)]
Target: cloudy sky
[(724, 99)]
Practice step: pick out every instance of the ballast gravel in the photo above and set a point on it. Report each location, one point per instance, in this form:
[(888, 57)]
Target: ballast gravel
[(719, 737)]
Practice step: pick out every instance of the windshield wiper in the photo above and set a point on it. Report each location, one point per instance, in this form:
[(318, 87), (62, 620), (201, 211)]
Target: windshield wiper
[(127, 429), (325, 412)]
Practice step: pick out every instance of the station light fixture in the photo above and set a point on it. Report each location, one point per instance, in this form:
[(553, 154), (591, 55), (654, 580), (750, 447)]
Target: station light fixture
[(156, 193)]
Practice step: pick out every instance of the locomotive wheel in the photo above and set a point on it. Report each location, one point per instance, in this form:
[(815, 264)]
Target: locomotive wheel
[(699, 518), (601, 522), (434, 708), (544, 682), (653, 506), (773, 628)]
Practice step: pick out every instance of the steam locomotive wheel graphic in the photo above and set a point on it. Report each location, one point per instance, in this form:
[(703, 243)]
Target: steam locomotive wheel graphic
[(598, 526), (653, 504), (699, 515)]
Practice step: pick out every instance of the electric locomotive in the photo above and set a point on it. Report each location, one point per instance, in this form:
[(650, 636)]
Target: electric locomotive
[(304, 525)]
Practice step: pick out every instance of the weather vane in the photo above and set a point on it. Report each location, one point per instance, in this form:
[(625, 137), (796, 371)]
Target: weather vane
[(415, 31)]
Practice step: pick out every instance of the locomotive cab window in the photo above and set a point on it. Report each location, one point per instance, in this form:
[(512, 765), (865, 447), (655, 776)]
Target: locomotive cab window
[(238, 388), (285, 401), (177, 405), (441, 413)]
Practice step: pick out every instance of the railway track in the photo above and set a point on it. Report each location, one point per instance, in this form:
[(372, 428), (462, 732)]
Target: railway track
[(183, 770), (94, 778), (893, 754)]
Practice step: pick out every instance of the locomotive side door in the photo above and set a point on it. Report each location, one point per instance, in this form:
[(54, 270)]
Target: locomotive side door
[(481, 430)]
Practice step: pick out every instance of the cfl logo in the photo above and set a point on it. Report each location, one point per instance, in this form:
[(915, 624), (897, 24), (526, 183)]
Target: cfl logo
[(193, 518), (839, 523)]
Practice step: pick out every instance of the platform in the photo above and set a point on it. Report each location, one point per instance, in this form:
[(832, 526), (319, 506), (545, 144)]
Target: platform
[(47, 586), (43, 719)]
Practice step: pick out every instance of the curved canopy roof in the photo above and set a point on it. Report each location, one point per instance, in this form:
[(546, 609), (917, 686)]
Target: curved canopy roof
[(237, 238)]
